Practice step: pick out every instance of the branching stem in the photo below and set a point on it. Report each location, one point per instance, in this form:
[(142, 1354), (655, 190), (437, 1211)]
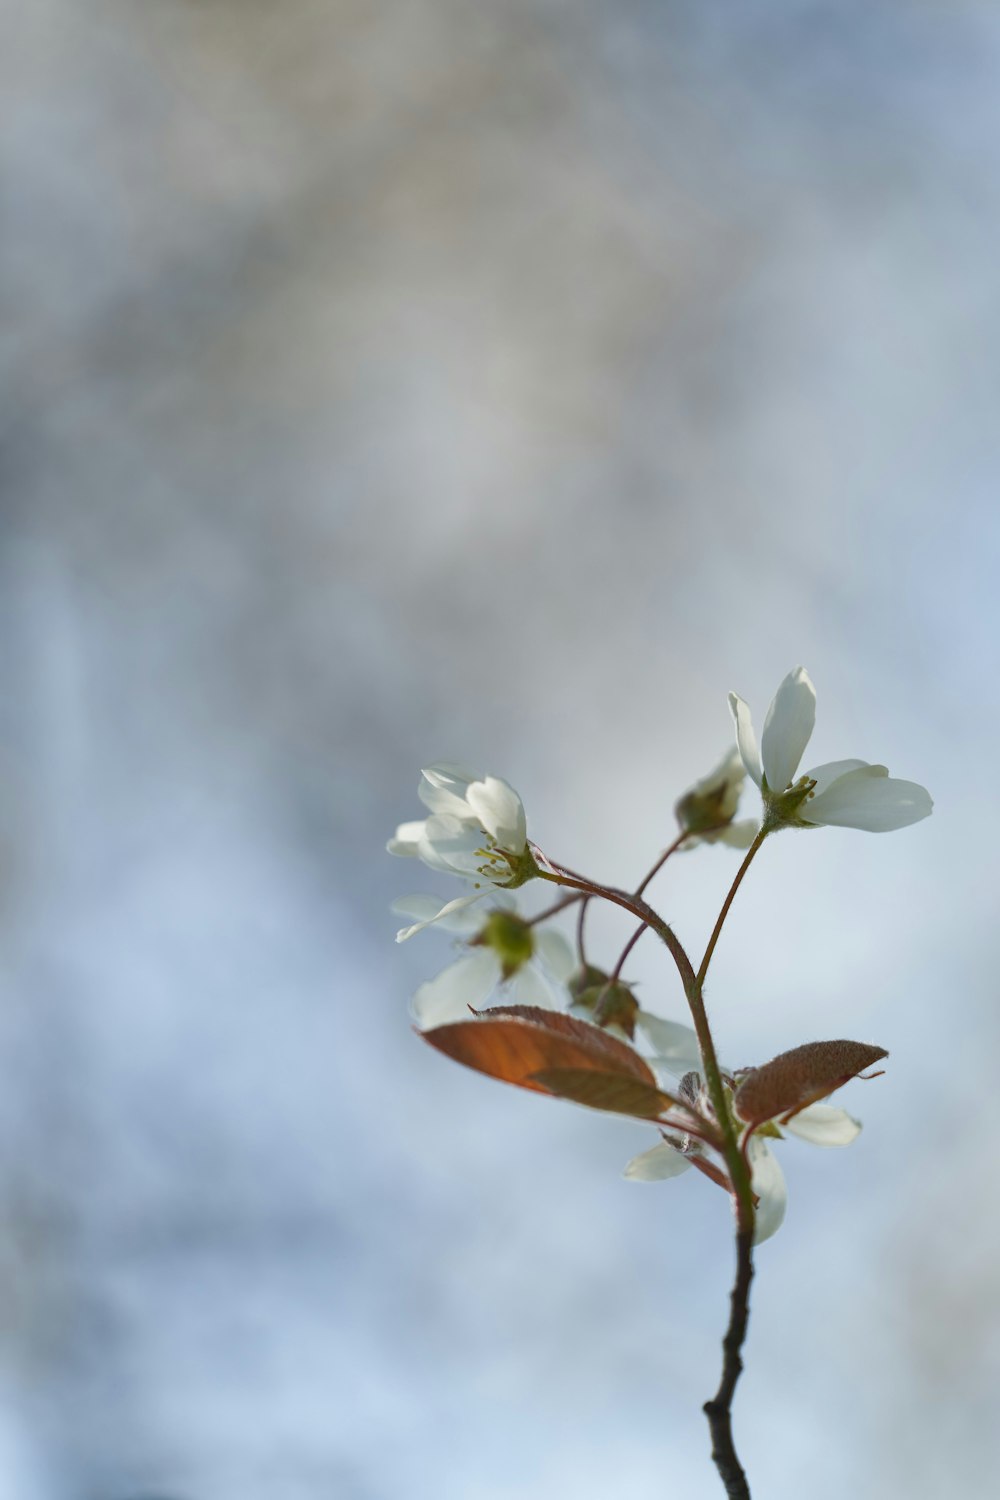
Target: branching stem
[(719, 1408)]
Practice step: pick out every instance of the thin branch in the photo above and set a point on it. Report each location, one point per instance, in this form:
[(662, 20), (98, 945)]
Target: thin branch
[(579, 930), (678, 841), (616, 973), (634, 904), (719, 1409), (723, 914)]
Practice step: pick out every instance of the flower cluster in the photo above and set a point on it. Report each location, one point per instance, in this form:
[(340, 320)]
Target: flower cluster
[(564, 1027)]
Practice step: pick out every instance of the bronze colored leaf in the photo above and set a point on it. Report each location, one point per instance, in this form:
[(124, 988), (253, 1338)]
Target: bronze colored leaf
[(611, 1091), (515, 1043), (792, 1080)]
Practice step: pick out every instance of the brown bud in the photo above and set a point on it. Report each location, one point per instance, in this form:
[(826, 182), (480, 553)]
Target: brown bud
[(790, 1081)]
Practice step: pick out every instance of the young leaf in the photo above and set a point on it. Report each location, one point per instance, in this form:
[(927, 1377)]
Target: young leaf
[(611, 1091), (518, 1042), (792, 1080)]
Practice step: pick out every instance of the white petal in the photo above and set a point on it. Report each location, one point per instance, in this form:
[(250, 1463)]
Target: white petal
[(443, 787), (869, 799), (768, 1182), (424, 908), (676, 1046), (451, 906), (789, 723), (657, 1164), (825, 775), (406, 840), (725, 777), (451, 846), (737, 835), (824, 1125), (746, 740), (528, 987), (555, 953), (499, 810), (447, 997)]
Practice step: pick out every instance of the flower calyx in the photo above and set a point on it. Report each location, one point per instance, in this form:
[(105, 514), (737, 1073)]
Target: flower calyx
[(511, 939), (781, 809), (706, 811), (608, 1002)]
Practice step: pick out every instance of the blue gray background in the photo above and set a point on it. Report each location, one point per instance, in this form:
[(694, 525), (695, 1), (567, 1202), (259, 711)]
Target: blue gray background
[(501, 383)]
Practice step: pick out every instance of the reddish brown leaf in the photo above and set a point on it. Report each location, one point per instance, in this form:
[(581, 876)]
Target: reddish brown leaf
[(794, 1079), (611, 1091), (515, 1043)]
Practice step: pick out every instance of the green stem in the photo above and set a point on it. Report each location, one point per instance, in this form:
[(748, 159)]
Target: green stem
[(723, 914)]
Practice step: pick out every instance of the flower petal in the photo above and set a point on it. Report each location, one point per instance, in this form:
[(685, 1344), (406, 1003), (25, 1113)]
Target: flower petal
[(746, 740), (825, 775), (787, 728), (824, 1125), (500, 812), (446, 910), (447, 997), (676, 1046), (406, 840), (423, 908), (451, 846), (443, 787), (657, 1164), (555, 953), (529, 987), (737, 835), (869, 799), (768, 1182)]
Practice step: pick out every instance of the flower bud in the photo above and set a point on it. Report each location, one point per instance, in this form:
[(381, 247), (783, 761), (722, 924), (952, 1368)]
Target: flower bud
[(610, 1003), (712, 801)]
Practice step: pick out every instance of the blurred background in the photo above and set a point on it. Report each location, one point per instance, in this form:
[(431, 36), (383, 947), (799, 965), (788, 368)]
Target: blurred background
[(499, 383)]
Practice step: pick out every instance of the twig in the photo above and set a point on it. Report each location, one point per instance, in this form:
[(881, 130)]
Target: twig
[(719, 1409)]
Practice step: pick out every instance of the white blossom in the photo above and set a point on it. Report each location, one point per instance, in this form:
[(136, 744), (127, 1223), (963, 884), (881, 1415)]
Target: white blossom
[(476, 830), (538, 979), (843, 793)]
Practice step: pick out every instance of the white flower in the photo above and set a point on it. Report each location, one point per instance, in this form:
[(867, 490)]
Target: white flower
[(706, 810), (533, 964), (476, 830), (677, 1063), (844, 793)]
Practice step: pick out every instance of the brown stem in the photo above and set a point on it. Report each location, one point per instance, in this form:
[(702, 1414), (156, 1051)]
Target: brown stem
[(616, 972), (581, 918), (678, 841), (634, 904), (719, 1409)]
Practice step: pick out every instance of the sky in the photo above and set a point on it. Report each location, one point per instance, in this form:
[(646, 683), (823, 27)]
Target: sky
[(503, 385)]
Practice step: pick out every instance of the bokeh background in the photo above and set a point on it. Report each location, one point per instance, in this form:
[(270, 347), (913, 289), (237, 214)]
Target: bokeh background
[(503, 383)]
